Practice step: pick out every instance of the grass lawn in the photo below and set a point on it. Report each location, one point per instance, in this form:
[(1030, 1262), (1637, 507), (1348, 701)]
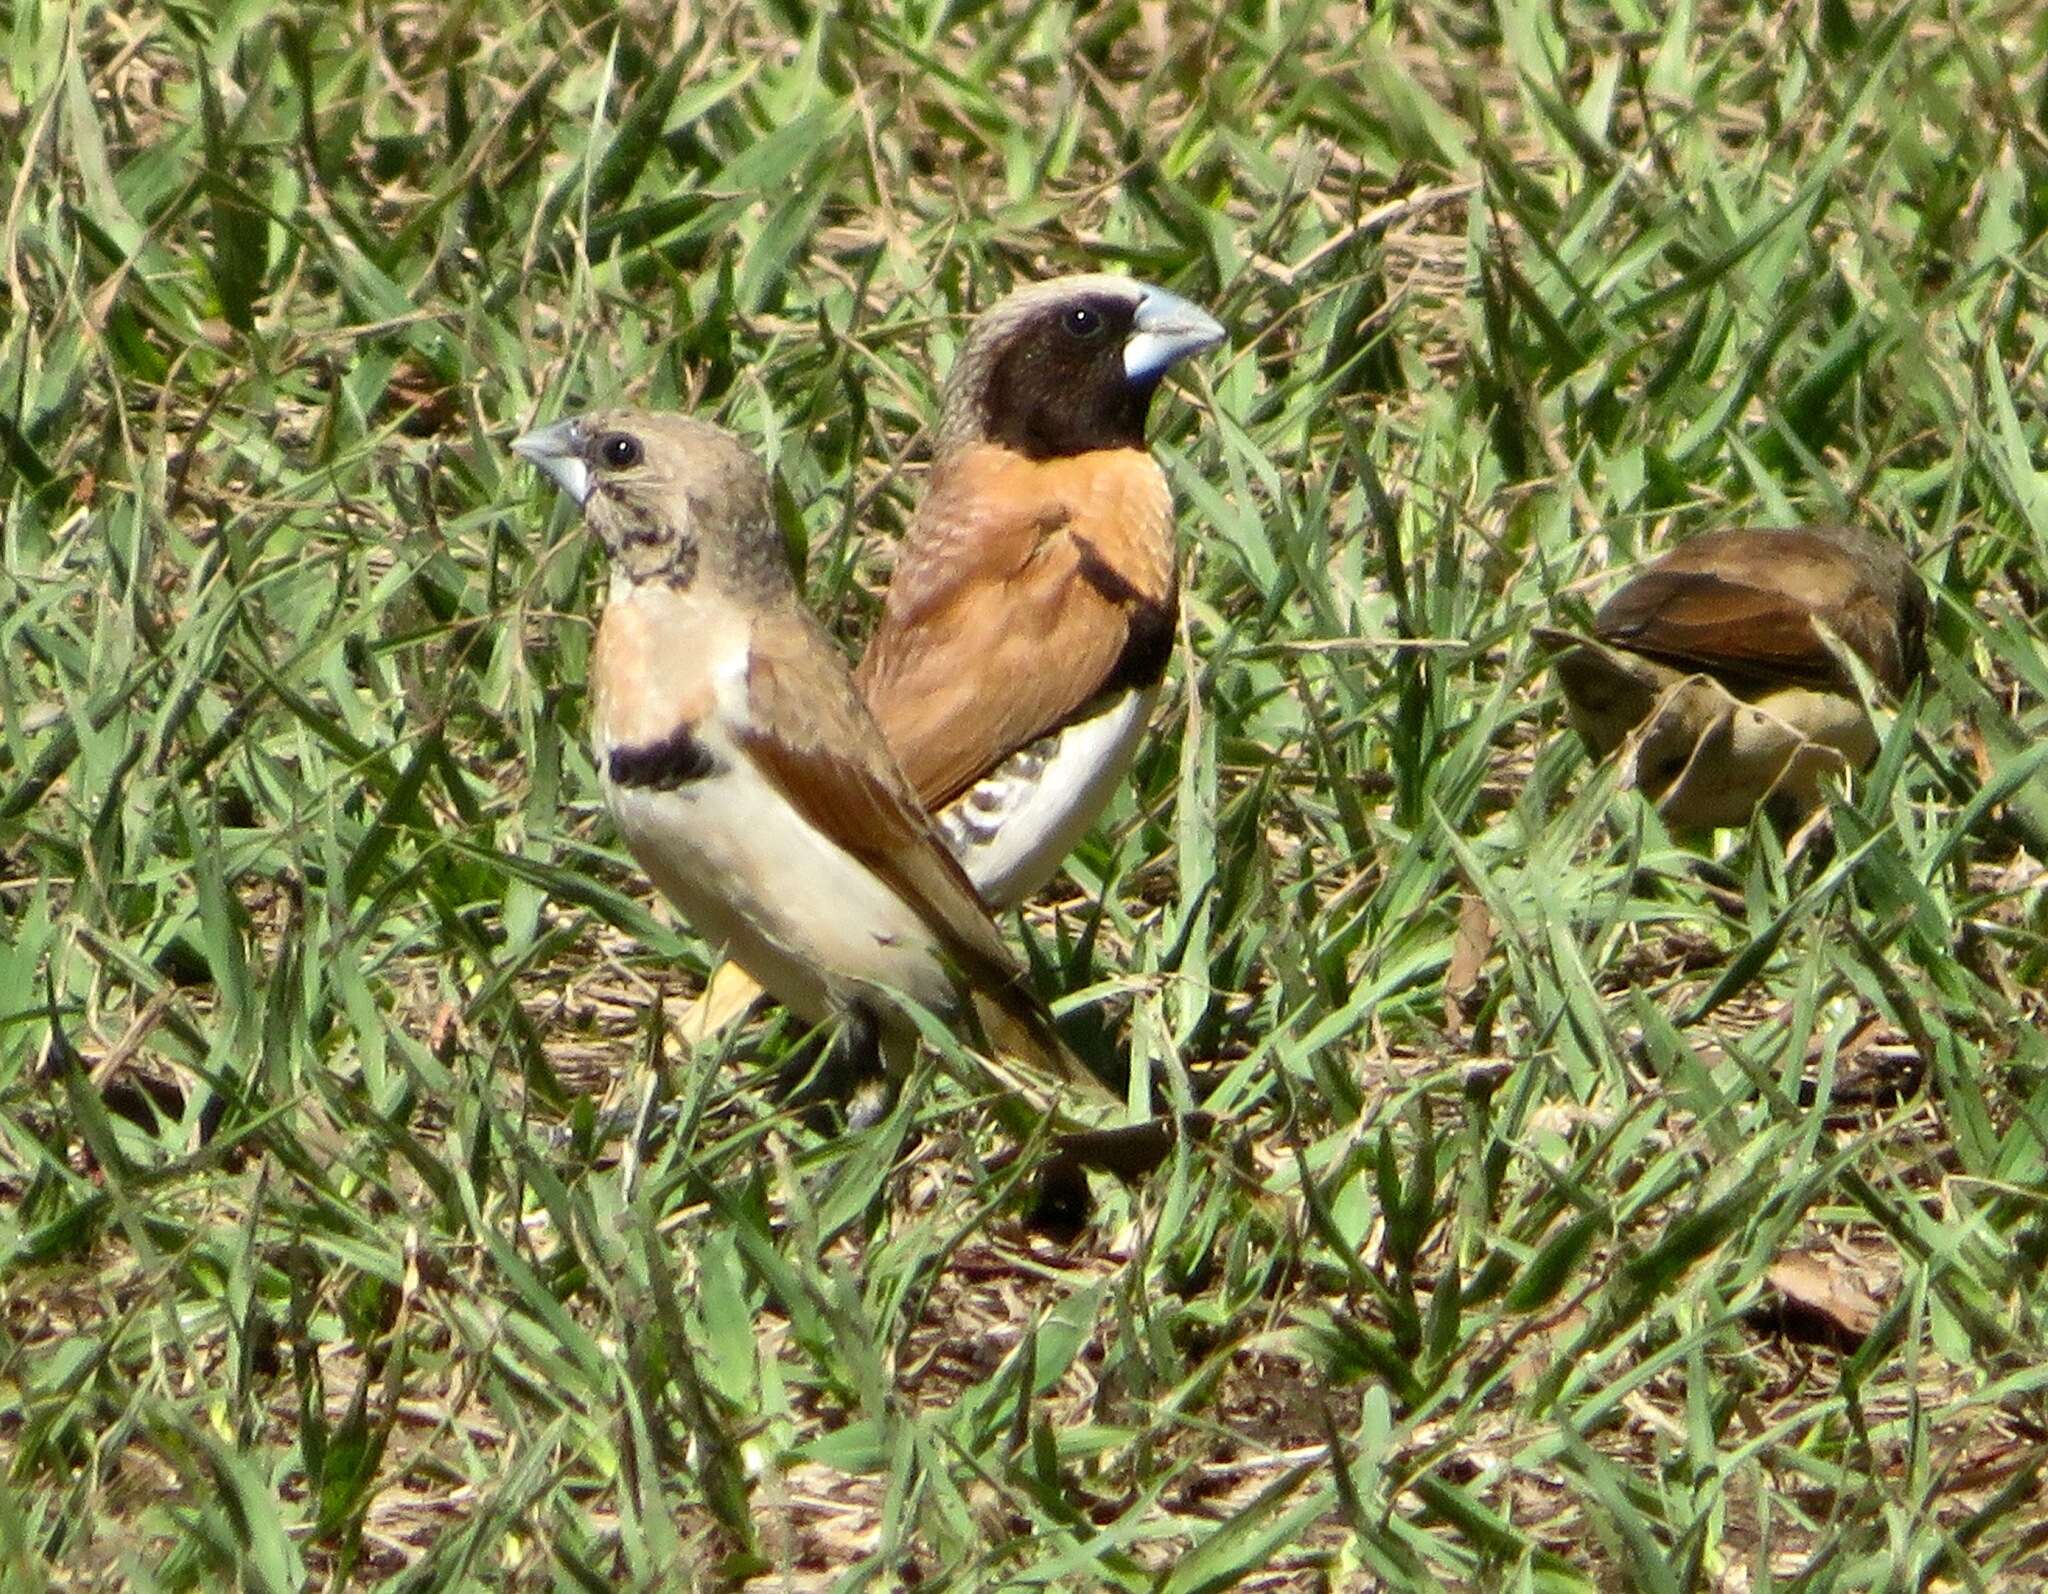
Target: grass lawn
[(1598, 1208)]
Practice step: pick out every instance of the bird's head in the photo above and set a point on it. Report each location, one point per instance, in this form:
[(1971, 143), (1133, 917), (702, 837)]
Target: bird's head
[(671, 498), (1069, 366)]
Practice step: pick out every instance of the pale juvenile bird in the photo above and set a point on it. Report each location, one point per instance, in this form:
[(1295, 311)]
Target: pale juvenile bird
[(1032, 608), (1721, 667), (743, 770)]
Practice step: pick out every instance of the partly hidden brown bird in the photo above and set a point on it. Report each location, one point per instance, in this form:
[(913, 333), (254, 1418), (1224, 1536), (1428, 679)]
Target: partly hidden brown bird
[(746, 775), (1035, 597), (1722, 668)]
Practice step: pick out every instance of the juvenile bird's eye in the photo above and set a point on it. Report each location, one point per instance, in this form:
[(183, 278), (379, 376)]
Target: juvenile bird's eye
[(1081, 322), (621, 450)]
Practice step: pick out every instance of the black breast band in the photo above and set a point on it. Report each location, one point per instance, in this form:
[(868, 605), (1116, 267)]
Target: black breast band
[(667, 765)]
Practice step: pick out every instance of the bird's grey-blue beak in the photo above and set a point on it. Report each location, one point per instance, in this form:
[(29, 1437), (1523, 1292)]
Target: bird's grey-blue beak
[(1166, 329), (558, 450)]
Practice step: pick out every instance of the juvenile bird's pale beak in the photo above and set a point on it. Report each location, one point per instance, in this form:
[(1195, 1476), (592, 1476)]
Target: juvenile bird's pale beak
[(1166, 329), (558, 450)]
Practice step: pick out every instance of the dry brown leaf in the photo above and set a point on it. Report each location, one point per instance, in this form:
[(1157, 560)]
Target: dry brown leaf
[(1470, 949), (1820, 1300)]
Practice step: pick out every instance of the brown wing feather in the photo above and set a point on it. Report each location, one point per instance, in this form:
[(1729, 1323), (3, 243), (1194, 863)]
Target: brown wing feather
[(826, 757), (1022, 589), (1707, 623), (1741, 604)]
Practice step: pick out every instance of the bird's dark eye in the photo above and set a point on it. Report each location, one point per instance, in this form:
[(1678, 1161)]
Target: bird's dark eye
[(619, 450), (1081, 322)]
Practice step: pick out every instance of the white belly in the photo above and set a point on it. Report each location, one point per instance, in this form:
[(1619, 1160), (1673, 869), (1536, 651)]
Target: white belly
[(1013, 828), (805, 918)]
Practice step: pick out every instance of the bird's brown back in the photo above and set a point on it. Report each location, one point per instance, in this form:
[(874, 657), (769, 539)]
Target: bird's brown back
[(1741, 605), (1068, 593)]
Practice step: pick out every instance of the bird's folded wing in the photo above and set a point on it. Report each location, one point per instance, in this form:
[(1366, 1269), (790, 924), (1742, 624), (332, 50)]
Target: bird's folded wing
[(1719, 624), (822, 751), (1026, 591), (1741, 603)]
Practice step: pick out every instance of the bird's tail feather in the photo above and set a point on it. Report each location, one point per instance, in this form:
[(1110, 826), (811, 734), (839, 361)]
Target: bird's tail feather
[(1017, 1027)]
